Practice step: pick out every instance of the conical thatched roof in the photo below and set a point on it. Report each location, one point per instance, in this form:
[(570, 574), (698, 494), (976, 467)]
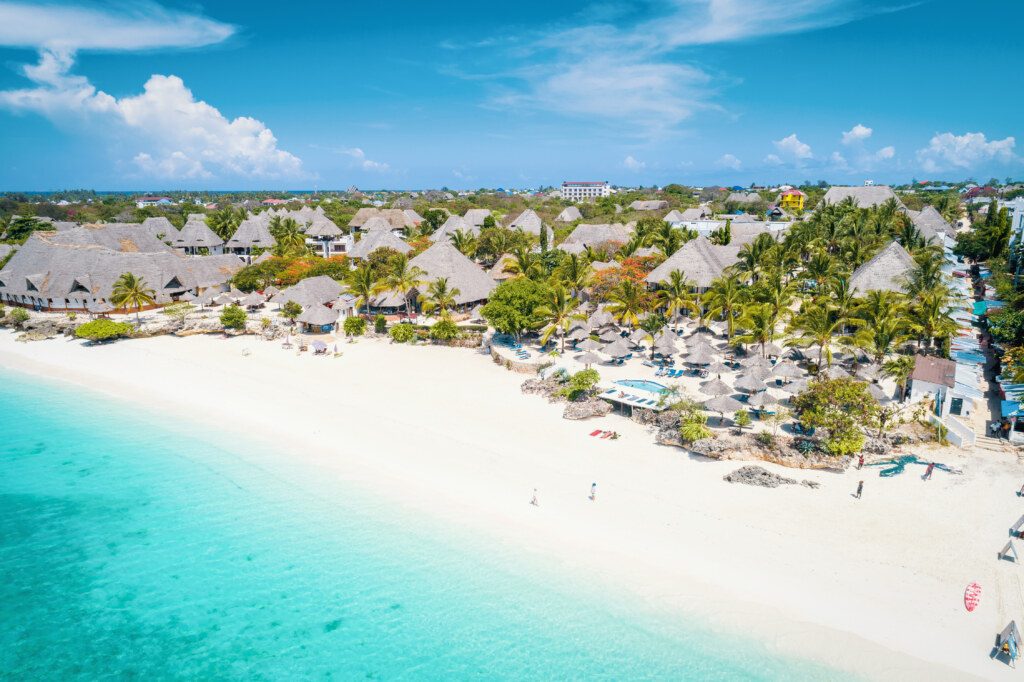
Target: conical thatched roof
[(251, 233), (444, 260), (378, 239), (788, 370), (160, 227), (196, 234), (863, 196), (699, 260), (318, 315), (568, 215), (475, 216), (723, 404), (887, 271), (617, 348), (529, 221), (591, 235), (588, 358), (749, 383), (715, 387), (590, 344), (377, 223), (762, 399), (453, 225)]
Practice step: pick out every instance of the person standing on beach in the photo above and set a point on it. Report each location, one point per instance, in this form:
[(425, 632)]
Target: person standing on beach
[(860, 462), (535, 502), (860, 489), (593, 492), (928, 471)]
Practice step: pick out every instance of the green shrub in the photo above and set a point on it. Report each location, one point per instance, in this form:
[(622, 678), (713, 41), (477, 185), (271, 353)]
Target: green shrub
[(354, 326), (444, 330), (742, 419), (18, 316), (233, 317), (402, 333), (765, 438), (103, 330), (580, 383), (291, 310), (72, 316), (694, 427), (3, 311), (265, 322), (380, 324)]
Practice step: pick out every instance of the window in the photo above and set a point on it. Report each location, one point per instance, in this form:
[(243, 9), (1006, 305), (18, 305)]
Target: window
[(956, 406)]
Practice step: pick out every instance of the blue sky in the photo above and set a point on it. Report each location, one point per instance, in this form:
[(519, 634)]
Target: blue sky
[(141, 95)]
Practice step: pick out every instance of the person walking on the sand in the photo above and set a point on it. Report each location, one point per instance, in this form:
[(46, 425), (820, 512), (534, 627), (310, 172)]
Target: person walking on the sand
[(928, 471), (593, 492), (535, 502), (860, 489)]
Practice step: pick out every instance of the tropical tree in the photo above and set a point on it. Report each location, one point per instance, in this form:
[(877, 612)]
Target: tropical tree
[(363, 284), (899, 369), (439, 297), (818, 325), (557, 314), (290, 241), (526, 263), (758, 324), (627, 301), (464, 241), (931, 317), (574, 272), (131, 292), (403, 278), (725, 298), (675, 294), (225, 221), (667, 238)]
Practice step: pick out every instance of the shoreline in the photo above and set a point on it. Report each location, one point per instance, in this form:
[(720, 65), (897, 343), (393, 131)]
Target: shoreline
[(872, 587)]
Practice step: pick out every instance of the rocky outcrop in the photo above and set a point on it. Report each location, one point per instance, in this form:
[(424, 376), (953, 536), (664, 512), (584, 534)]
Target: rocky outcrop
[(48, 327), (758, 476), (585, 409), (547, 388)]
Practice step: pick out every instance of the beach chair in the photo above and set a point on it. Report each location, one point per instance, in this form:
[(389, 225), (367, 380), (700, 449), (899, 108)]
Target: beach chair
[(595, 432)]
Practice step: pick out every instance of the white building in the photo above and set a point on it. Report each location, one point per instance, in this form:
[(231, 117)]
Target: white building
[(581, 191)]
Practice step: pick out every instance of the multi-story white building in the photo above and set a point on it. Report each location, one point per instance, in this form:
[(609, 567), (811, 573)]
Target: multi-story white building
[(580, 191)]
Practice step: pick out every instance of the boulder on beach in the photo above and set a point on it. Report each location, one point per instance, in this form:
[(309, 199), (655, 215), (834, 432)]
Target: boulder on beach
[(585, 409), (759, 476)]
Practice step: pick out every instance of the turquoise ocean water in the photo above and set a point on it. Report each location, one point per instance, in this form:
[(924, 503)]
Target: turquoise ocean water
[(134, 546)]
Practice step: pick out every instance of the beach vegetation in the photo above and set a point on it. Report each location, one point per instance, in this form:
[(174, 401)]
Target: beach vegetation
[(512, 306), (132, 292), (580, 384), (233, 317), (71, 315), (558, 314), (103, 329), (842, 406), (178, 312), (445, 330), (693, 426), (439, 298), (354, 326), (380, 324), (291, 310), (403, 278), (223, 222), (742, 419), (402, 333), (18, 316)]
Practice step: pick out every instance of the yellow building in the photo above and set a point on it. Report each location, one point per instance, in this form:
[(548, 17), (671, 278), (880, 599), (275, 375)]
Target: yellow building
[(791, 200)]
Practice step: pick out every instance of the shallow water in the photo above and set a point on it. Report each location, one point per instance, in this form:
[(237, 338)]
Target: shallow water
[(132, 546)]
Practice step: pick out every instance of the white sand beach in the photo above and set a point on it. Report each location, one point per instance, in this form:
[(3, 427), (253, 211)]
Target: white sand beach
[(874, 586)]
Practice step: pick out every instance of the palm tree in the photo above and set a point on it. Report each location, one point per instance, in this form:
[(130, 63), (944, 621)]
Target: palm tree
[(290, 240), (525, 263), (667, 238), (675, 295), (131, 292), (726, 297), (816, 326), (464, 241), (575, 272), (881, 336), (557, 314), (627, 301), (819, 269), (774, 290), (403, 278), (439, 297), (931, 317), (363, 283), (758, 321), (225, 221), (900, 368)]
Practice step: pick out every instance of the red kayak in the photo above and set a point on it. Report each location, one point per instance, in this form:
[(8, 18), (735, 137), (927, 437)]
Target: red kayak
[(972, 595)]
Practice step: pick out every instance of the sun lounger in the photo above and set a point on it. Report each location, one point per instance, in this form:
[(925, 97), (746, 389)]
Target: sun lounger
[(595, 432), (606, 434)]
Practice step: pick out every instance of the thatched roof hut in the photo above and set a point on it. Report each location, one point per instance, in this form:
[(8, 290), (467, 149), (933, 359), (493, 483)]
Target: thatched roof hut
[(887, 271), (377, 239), (699, 260), (444, 260)]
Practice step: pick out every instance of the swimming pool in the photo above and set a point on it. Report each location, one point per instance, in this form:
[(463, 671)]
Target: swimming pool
[(643, 385)]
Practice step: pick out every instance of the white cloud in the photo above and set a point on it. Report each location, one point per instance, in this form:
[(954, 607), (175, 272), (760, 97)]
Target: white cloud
[(602, 65), (793, 147), (772, 160), (839, 161), (946, 150), (885, 153), (633, 164), (359, 156), (177, 135), (66, 28), (857, 133), (729, 161)]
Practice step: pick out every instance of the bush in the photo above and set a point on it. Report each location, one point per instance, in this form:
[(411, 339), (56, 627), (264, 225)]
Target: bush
[(445, 330), (291, 310), (265, 322), (72, 316), (354, 326), (233, 317), (843, 407), (3, 311), (103, 330), (764, 438), (402, 333), (742, 419), (580, 383), (18, 316), (694, 427), (380, 324)]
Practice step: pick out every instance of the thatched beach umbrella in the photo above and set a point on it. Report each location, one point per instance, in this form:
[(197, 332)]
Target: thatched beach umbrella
[(638, 336), (715, 387), (609, 334), (795, 387), (701, 346), (718, 367), (834, 373), (578, 334), (759, 372), (723, 404), (665, 346), (787, 370), (590, 344), (699, 357), (187, 297), (270, 291), (224, 299), (762, 399), (772, 349), (617, 348), (588, 359), (253, 300), (749, 383)]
